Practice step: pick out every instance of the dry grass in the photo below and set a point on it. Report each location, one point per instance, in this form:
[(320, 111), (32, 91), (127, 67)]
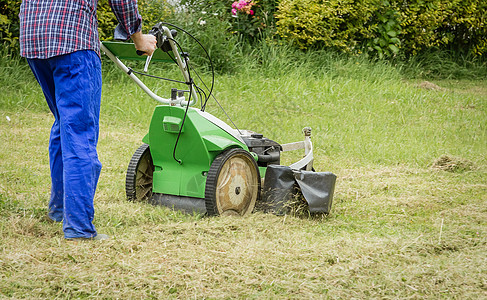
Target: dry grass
[(395, 232), (452, 164), (401, 230)]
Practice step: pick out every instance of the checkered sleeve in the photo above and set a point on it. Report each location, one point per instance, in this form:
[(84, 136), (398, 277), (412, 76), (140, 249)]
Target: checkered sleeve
[(128, 18)]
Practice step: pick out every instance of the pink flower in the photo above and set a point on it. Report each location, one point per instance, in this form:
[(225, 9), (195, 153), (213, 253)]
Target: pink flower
[(243, 6)]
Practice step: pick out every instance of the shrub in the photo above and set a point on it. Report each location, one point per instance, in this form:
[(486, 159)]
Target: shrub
[(246, 22), (9, 25), (385, 30), (106, 20), (457, 25), (253, 19), (211, 23), (331, 24), (152, 11), (385, 27)]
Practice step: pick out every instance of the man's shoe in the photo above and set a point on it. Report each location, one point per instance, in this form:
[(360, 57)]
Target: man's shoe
[(101, 237), (98, 237), (51, 220)]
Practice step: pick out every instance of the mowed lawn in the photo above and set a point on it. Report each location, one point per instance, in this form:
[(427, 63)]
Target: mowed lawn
[(409, 218)]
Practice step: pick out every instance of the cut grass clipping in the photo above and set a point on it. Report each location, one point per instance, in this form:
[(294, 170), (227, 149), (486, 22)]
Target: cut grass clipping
[(402, 226), (453, 164)]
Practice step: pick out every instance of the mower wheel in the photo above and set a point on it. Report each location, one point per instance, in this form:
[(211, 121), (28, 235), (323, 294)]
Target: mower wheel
[(232, 184), (138, 183)]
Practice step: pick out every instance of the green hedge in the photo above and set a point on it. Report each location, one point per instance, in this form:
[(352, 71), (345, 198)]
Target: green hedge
[(459, 25), (385, 27), (335, 23), (9, 24), (152, 11)]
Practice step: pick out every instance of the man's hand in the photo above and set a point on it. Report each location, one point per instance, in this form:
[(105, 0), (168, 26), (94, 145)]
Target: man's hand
[(146, 43)]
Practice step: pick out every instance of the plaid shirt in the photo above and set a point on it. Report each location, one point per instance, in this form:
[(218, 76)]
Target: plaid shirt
[(55, 27)]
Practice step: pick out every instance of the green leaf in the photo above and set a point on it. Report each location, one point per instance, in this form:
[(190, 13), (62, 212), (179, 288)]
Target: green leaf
[(4, 19), (394, 49), (392, 33), (395, 40)]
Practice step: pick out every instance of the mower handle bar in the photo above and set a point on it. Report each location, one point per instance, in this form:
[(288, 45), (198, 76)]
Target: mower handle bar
[(183, 67)]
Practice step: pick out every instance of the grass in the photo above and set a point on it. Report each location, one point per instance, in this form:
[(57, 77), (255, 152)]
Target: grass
[(401, 226)]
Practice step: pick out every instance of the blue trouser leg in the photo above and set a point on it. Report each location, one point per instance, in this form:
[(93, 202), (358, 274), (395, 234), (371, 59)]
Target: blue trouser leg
[(56, 203), (72, 86), (42, 71)]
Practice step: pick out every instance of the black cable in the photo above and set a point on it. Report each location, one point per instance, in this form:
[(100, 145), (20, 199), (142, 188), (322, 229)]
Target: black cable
[(206, 98), (157, 77), (203, 106), (190, 83), (212, 95), (174, 60), (200, 91), (181, 128), (226, 114), (207, 54), (186, 61)]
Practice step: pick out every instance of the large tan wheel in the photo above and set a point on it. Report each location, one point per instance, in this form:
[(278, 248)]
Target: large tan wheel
[(138, 183), (232, 184)]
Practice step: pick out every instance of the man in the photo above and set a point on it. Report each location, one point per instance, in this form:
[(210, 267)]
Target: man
[(59, 38)]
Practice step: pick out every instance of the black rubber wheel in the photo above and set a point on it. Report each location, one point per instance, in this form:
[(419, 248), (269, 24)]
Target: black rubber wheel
[(138, 183), (232, 184)]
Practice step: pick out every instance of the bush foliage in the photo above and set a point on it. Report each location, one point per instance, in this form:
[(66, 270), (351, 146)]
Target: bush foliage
[(9, 24), (152, 11), (335, 23), (456, 25), (385, 27)]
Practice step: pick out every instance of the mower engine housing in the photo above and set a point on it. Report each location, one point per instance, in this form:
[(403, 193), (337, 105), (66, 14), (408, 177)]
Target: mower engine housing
[(267, 150)]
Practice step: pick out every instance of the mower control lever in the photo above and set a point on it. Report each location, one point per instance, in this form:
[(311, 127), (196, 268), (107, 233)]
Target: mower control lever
[(162, 42), (165, 41), (147, 61)]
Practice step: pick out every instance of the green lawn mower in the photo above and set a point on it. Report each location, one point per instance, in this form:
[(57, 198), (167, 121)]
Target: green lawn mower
[(190, 160)]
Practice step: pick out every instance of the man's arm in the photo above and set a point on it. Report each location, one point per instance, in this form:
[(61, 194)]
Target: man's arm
[(144, 42), (130, 25)]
